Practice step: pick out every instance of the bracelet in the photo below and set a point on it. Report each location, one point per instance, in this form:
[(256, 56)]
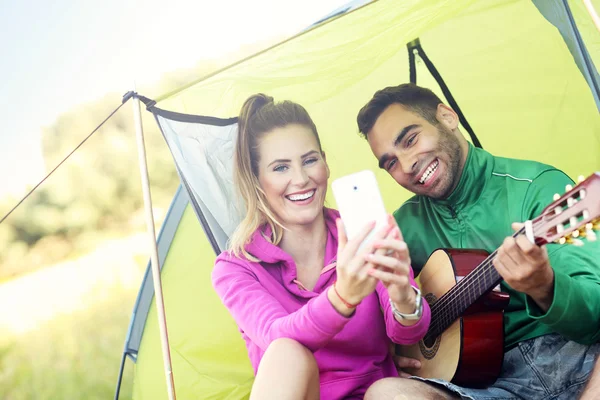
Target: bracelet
[(418, 308), (349, 305)]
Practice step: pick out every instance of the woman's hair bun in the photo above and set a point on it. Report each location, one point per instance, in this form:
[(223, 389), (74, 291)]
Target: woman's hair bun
[(253, 104)]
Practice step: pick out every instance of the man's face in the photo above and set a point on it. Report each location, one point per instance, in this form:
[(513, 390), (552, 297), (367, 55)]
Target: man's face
[(424, 158)]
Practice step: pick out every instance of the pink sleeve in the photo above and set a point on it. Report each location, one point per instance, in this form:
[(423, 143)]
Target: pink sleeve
[(395, 330), (262, 317)]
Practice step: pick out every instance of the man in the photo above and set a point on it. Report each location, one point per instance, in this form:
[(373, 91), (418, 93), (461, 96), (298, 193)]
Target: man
[(467, 198)]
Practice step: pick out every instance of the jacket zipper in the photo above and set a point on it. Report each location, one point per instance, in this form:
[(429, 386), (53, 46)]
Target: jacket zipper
[(452, 212), (461, 226)]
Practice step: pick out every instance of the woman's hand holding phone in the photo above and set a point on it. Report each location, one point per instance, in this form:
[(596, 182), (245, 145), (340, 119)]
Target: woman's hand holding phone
[(353, 280), (367, 254)]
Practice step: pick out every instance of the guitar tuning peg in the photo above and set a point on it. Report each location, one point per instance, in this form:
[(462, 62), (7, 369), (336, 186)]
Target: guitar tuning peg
[(556, 196), (575, 234), (571, 240), (589, 232), (580, 178), (573, 222), (568, 188)]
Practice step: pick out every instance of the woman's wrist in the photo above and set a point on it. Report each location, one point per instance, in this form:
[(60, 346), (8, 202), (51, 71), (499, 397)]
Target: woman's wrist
[(338, 304), (347, 298), (408, 312), (406, 306)]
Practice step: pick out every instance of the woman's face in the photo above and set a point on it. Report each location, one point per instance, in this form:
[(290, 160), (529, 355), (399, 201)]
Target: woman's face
[(293, 174)]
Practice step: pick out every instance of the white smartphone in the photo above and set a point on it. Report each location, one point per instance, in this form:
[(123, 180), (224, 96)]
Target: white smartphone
[(359, 202)]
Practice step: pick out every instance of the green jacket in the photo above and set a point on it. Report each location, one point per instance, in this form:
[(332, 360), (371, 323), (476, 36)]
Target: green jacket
[(492, 193)]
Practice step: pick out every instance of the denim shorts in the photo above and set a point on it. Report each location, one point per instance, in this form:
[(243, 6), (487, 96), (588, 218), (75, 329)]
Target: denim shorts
[(548, 367)]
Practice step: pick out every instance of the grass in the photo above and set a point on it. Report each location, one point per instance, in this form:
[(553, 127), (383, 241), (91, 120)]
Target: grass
[(74, 356)]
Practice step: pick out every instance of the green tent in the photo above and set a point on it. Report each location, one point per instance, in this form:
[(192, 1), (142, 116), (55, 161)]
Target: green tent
[(521, 72)]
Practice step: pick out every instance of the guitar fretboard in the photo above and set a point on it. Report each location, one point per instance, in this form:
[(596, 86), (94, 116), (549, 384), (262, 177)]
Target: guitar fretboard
[(453, 303)]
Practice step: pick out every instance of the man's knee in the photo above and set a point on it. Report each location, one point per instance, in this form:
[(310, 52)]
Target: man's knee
[(387, 389), (404, 389)]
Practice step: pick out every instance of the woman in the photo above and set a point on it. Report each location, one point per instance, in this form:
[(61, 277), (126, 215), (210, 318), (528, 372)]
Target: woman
[(316, 313)]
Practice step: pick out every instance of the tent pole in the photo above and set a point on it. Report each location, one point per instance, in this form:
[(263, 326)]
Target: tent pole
[(120, 379), (158, 295), (592, 11)]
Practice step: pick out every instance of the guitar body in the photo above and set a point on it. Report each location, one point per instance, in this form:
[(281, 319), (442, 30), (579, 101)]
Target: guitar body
[(471, 350)]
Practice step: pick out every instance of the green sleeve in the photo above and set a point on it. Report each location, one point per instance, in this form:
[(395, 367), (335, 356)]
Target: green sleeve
[(575, 310)]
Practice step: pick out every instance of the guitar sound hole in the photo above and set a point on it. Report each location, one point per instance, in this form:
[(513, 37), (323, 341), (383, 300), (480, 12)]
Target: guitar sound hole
[(429, 346), (429, 341)]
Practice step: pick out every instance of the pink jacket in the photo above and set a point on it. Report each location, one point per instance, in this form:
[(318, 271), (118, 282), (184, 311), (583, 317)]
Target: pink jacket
[(267, 303)]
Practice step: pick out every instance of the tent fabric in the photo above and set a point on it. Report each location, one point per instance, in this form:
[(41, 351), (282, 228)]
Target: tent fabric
[(586, 28), (209, 357), (560, 14), (506, 64), (503, 61), (146, 293), (202, 149)]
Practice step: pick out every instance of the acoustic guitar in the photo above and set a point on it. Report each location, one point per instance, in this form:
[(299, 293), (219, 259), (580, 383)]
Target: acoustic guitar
[(465, 340)]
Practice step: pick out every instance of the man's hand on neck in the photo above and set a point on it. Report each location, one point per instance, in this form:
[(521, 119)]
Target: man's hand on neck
[(525, 267)]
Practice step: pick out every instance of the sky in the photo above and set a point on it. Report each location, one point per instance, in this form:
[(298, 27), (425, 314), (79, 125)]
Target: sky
[(57, 54)]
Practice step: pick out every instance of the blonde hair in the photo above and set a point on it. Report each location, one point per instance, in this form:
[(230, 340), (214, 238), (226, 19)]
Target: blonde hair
[(258, 116)]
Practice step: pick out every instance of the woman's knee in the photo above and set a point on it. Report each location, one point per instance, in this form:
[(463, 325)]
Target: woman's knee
[(292, 354), (287, 370)]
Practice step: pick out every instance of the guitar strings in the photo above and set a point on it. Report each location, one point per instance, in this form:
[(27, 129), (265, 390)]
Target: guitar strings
[(472, 279), (442, 310), (446, 305)]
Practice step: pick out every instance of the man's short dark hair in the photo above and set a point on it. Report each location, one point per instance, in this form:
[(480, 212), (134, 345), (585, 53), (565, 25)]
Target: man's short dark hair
[(414, 98)]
